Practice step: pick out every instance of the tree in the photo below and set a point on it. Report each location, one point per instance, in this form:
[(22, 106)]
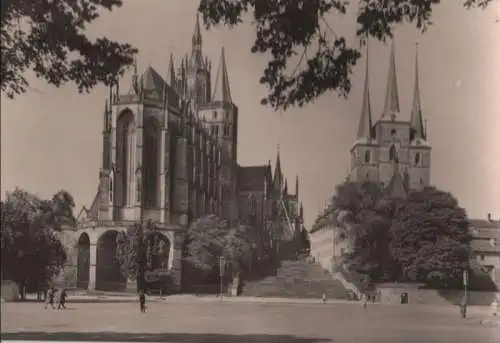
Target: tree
[(307, 57), (32, 254), (142, 248), (210, 238), (49, 37), (430, 238), (423, 238)]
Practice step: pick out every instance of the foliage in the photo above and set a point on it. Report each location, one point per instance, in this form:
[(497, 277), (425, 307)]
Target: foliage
[(423, 238), (31, 251), (209, 238), (142, 248), (298, 30), (431, 237), (49, 37)]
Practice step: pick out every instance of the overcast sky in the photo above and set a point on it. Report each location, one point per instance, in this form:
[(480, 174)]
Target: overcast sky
[(51, 138)]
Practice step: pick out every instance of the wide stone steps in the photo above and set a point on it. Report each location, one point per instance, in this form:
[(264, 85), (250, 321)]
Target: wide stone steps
[(296, 279)]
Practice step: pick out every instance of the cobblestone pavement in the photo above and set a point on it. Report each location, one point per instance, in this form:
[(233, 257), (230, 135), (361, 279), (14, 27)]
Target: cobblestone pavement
[(228, 322)]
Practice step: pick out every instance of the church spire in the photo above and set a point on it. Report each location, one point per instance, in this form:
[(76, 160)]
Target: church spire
[(197, 32), (391, 104), (416, 121), (297, 186), (365, 121), (222, 92), (277, 171), (171, 72)]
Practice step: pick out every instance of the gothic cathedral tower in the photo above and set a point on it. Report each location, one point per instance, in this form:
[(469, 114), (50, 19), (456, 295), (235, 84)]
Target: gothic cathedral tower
[(393, 147)]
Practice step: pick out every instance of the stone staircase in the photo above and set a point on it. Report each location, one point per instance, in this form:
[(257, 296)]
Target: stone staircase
[(297, 279)]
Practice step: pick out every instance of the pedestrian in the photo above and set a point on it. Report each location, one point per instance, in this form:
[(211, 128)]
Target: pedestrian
[(323, 298), (62, 299), (49, 298), (494, 307), (463, 308), (364, 300), (142, 301)]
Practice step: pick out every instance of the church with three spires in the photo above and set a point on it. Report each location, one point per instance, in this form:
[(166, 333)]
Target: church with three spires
[(170, 157), (394, 150)]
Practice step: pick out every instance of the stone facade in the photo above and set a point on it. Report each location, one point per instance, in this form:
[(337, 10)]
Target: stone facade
[(170, 156), (392, 148)]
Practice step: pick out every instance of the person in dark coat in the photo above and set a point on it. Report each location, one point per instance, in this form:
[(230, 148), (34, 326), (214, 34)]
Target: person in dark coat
[(62, 299), (142, 301)]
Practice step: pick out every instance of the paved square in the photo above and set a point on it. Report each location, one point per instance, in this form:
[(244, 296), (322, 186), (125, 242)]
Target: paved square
[(197, 321)]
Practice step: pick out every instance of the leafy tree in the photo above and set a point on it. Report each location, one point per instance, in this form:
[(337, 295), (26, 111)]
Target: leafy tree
[(32, 254), (142, 248), (307, 58), (430, 237), (49, 37), (210, 238)]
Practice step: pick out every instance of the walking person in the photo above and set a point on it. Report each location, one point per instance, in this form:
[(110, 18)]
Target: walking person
[(49, 298), (142, 301), (62, 299), (364, 300)]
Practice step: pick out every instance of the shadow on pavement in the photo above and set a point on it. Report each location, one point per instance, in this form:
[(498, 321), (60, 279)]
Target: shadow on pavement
[(157, 337)]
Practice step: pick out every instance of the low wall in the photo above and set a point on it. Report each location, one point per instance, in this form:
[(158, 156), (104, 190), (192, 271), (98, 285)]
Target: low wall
[(391, 294)]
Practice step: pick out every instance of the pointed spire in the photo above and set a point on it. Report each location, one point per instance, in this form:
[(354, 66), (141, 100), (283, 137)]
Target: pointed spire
[(365, 121), (171, 72), (134, 86), (416, 121), (391, 104), (277, 171), (297, 186), (222, 91), (285, 188), (197, 32)]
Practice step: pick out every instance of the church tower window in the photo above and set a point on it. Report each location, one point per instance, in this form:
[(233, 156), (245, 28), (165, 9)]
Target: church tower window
[(367, 156), (392, 153), (417, 158)]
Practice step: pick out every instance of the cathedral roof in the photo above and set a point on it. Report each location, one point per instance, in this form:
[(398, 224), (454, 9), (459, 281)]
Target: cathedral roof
[(152, 83), (253, 178)]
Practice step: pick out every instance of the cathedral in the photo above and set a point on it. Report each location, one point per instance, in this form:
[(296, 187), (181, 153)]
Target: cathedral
[(394, 151), (170, 156)]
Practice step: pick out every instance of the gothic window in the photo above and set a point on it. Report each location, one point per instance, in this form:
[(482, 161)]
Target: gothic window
[(151, 165), (417, 158), (111, 189), (215, 114), (392, 153), (393, 132), (216, 130), (367, 156), (125, 157), (421, 181)]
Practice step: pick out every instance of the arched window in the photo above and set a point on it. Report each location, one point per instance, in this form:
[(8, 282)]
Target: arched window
[(417, 158), (125, 158), (367, 156), (151, 165), (392, 153)]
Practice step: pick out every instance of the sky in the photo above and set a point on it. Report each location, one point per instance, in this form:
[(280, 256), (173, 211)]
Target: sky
[(51, 137)]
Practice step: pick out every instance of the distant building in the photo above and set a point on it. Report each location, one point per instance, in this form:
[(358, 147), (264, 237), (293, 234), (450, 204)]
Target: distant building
[(170, 156), (486, 245), (392, 151)]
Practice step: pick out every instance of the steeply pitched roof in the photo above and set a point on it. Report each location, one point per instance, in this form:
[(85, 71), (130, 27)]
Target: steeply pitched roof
[(252, 178), (396, 188), (484, 223), (152, 83)]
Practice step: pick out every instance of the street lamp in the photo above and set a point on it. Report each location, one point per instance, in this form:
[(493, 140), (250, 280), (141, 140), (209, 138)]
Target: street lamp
[(222, 265)]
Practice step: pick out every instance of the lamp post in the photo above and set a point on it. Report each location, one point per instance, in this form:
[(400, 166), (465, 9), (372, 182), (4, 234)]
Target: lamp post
[(463, 306), (222, 265)]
